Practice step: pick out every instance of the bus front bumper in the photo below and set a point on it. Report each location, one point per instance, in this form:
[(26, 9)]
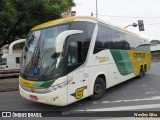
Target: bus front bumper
[(57, 98)]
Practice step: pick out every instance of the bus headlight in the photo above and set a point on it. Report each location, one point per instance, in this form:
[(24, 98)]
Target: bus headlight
[(56, 87)]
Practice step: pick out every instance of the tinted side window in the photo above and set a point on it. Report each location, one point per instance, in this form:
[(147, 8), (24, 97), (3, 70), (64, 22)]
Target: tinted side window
[(86, 43), (103, 39), (110, 38), (74, 54), (18, 60), (118, 41), (85, 37), (130, 40), (136, 43)]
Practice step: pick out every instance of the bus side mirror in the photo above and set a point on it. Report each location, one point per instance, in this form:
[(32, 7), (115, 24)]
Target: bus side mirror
[(61, 38)]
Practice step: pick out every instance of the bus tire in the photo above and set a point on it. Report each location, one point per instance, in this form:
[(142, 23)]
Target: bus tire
[(145, 68), (99, 89), (141, 72)]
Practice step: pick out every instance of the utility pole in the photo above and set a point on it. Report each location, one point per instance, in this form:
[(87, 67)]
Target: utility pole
[(96, 9)]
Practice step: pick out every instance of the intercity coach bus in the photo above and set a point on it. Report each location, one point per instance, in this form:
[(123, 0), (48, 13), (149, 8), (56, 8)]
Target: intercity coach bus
[(69, 59)]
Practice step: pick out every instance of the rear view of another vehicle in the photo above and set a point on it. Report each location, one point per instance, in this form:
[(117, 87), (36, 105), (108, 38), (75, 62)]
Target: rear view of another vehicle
[(9, 65), (10, 58)]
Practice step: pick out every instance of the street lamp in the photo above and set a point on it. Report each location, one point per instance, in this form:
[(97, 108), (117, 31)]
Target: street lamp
[(134, 25)]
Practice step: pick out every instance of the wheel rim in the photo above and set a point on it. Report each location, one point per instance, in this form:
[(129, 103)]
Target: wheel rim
[(98, 89)]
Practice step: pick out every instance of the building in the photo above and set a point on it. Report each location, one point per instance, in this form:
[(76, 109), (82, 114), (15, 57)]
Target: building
[(4, 49), (69, 13), (155, 50)]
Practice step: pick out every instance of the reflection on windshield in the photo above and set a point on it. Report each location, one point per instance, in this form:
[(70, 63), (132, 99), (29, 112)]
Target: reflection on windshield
[(32, 43), (33, 40), (40, 58), (48, 50)]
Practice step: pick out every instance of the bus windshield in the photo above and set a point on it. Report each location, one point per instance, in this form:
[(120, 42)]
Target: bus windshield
[(41, 45)]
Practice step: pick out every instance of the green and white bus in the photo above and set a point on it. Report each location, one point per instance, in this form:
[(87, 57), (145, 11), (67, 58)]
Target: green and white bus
[(69, 59)]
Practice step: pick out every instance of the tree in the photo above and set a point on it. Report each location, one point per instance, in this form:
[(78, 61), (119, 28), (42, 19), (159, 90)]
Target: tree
[(17, 17)]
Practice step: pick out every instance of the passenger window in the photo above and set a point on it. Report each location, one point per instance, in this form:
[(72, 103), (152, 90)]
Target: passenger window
[(85, 37), (18, 60), (118, 41), (103, 39), (74, 53)]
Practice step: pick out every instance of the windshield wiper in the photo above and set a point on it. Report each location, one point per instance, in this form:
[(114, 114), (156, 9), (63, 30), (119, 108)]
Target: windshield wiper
[(41, 58), (31, 60)]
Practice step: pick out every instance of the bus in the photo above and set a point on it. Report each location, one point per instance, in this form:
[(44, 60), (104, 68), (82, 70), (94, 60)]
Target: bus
[(10, 57), (69, 59)]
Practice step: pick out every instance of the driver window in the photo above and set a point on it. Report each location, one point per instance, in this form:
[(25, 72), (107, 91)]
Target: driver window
[(74, 53)]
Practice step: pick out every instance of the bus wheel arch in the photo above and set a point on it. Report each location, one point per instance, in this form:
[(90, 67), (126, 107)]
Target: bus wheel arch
[(99, 87)]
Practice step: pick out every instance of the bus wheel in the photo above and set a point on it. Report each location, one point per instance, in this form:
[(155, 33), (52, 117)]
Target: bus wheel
[(99, 89), (141, 73), (145, 68)]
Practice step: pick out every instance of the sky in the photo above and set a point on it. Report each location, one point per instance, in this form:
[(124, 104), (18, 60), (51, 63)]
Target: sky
[(147, 10)]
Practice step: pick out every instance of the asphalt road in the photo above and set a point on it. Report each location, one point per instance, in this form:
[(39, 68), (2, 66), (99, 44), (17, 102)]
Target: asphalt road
[(133, 95), (8, 83)]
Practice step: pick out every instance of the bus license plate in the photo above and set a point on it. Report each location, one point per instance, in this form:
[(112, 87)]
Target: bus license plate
[(33, 97)]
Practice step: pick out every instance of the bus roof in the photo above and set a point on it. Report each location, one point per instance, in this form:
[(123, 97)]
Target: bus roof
[(70, 19), (120, 29), (60, 21)]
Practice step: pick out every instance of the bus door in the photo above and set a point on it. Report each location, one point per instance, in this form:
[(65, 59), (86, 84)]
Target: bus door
[(75, 77)]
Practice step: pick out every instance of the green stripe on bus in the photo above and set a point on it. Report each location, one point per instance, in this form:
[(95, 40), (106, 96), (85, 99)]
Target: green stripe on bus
[(122, 61), (45, 84)]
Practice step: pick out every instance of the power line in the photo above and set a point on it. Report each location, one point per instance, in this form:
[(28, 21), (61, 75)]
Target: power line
[(153, 24), (129, 17), (134, 17)]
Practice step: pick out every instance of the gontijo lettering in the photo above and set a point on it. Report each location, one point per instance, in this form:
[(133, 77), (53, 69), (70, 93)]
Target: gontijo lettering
[(139, 55)]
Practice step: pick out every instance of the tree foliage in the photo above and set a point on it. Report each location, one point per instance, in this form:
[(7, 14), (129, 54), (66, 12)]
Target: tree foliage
[(17, 17)]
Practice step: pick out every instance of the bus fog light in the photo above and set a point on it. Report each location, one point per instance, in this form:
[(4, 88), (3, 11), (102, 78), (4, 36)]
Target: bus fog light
[(56, 87)]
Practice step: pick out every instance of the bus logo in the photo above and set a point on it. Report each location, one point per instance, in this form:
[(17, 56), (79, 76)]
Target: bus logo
[(79, 92), (102, 59)]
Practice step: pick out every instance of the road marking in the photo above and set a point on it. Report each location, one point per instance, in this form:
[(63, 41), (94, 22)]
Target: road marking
[(151, 88), (135, 107), (150, 92), (95, 102), (157, 73), (132, 100), (143, 85)]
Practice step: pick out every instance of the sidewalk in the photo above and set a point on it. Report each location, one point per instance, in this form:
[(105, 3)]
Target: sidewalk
[(9, 84)]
